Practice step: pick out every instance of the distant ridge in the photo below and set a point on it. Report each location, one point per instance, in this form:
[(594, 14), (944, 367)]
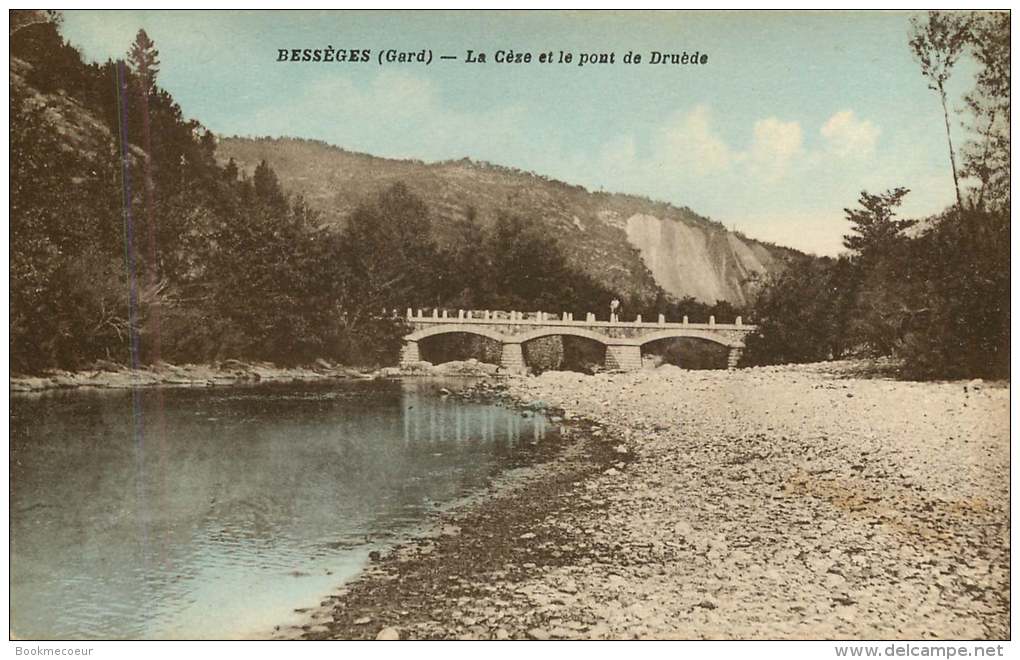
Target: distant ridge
[(630, 243)]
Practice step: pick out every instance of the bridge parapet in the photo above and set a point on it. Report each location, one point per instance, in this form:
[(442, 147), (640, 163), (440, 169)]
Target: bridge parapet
[(545, 318)]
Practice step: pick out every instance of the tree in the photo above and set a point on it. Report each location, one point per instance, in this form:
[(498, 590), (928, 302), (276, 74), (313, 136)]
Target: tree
[(529, 268), (465, 280), (67, 304), (267, 188), (35, 38), (874, 226), (986, 157), (801, 313), (144, 59), (23, 18), (937, 44), (961, 268), (388, 245), (879, 279)]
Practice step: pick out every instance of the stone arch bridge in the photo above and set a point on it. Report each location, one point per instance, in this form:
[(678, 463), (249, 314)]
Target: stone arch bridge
[(623, 339)]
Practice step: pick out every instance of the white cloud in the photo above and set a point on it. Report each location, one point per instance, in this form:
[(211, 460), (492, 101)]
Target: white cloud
[(847, 136), (690, 146), (690, 143), (776, 145)]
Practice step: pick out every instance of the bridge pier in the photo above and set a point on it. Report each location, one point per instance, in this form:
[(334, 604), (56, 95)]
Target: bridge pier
[(625, 357), (512, 359), (409, 353), (734, 357)]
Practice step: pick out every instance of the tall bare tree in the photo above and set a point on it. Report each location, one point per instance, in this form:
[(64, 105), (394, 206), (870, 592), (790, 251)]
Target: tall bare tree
[(986, 155), (938, 43)]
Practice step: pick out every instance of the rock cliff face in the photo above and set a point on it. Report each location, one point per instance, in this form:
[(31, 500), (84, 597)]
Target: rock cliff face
[(689, 260), (629, 243)]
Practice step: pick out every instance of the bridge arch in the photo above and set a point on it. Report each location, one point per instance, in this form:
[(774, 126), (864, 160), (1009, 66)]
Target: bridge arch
[(561, 331), (566, 353), (692, 333), (464, 328)]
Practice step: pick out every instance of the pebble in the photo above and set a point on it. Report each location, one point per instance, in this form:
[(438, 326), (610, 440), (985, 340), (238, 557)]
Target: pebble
[(388, 634), (758, 503), (801, 489)]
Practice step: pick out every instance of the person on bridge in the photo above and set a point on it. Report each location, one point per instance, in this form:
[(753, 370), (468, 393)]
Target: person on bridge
[(613, 307)]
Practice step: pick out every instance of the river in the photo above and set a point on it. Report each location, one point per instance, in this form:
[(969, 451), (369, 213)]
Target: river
[(217, 513)]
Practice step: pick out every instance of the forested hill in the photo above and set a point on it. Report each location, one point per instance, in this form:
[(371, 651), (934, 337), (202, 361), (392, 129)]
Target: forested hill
[(629, 244), (136, 238)]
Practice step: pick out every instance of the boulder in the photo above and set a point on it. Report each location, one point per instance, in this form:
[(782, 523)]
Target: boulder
[(388, 634)]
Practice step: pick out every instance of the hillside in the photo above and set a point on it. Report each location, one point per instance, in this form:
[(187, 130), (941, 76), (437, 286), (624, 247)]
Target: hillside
[(626, 242)]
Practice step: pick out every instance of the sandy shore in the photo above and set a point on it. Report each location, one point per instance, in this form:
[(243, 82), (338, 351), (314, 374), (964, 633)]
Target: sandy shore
[(792, 502)]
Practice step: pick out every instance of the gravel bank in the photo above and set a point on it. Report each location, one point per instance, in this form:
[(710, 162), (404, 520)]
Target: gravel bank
[(769, 503), (109, 375)]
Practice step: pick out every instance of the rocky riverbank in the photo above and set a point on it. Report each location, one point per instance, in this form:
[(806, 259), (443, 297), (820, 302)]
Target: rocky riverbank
[(109, 375), (790, 502)]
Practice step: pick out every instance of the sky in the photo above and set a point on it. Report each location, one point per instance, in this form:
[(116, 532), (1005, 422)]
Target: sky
[(792, 116)]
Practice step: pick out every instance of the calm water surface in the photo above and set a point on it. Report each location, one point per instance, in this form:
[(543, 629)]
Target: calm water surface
[(214, 513)]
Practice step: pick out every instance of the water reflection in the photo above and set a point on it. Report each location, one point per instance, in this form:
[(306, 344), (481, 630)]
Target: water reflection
[(214, 513), (427, 418)]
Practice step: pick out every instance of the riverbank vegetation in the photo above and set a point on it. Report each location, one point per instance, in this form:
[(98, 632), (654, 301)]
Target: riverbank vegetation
[(131, 243), (933, 292)]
